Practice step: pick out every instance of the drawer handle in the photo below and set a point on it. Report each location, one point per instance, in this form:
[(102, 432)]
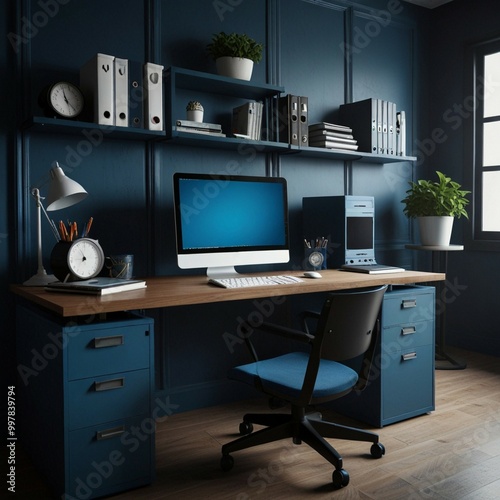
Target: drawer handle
[(409, 356), (408, 330), (110, 433), (409, 303), (100, 342), (107, 385)]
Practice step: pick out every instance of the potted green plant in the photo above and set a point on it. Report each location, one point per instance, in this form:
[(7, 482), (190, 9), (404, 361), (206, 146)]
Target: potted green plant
[(235, 54), (194, 111), (436, 204)]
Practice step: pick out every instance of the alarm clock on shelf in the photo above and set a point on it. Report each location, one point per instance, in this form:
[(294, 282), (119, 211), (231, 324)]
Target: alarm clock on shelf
[(62, 99), (81, 259)]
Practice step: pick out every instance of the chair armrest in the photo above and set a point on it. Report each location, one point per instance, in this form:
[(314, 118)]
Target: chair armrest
[(288, 333), (308, 315)]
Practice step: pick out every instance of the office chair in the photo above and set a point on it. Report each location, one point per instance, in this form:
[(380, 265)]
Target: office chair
[(346, 331)]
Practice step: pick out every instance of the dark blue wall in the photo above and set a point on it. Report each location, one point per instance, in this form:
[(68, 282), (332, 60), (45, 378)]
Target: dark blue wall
[(129, 181), (472, 298)]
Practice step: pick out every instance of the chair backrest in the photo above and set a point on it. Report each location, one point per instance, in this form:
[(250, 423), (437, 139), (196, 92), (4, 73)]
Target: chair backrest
[(346, 325)]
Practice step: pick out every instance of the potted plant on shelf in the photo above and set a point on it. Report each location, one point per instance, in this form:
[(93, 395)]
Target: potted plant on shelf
[(194, 111), (436, 204), (235, 54)]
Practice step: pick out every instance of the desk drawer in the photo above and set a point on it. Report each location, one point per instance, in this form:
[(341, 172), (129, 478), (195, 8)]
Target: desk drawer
[(98, 351), (408, 306), (109, 458), (105, 398), (408, 384), (407, 335)]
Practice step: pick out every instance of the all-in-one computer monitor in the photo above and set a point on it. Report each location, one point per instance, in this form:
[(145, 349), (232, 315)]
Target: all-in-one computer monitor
[(223, 221)]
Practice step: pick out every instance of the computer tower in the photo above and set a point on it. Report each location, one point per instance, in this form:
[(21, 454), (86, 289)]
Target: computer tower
[(348, 222)]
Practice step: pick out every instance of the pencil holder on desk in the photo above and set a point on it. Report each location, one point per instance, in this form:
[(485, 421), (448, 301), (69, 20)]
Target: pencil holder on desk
[(315, 258)]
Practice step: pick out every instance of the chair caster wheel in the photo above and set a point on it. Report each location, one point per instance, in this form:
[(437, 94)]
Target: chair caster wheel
[(246, 428), (377, 450), (340, 478), (226, 462)]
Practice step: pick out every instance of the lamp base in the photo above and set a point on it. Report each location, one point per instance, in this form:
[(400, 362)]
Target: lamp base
[(41, 278)]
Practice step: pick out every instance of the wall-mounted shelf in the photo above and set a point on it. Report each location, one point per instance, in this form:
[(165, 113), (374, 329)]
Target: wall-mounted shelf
[(228, 143), (178, 80), (346, 155), (61, 126), (186, 79), (215, 84)]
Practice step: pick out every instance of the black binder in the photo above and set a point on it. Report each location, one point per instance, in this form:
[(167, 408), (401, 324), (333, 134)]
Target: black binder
[(303, 121), (288, 119), (361, 116)]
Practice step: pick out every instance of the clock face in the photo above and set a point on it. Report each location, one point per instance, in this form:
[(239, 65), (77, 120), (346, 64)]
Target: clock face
[(316, 259), (66, 99), (85, 258)]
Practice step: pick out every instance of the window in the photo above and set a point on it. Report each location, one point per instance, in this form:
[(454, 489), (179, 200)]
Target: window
[(486, 147)]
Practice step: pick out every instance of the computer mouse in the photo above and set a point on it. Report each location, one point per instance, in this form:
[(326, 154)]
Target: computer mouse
[(312, 274)]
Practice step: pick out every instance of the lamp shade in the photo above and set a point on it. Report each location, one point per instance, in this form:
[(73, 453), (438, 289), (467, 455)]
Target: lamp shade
[(63, 192)]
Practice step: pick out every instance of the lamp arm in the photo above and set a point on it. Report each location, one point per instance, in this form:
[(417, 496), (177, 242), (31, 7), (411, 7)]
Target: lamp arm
[(36, 194), (51, 222)]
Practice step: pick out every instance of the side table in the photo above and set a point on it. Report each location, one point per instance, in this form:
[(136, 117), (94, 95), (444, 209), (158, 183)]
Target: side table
[(440, 264)]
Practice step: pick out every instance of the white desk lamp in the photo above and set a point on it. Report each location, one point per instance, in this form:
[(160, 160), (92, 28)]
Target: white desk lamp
[(63, 192)]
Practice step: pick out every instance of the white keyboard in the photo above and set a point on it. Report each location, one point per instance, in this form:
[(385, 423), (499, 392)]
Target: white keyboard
[(246, 281)]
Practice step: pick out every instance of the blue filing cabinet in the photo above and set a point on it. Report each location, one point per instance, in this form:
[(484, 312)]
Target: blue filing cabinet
[(85, 396), (401, 383)]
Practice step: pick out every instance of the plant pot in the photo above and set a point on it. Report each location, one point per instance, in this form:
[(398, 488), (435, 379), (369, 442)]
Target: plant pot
[(194, 115), (435, 231), (235, 67)]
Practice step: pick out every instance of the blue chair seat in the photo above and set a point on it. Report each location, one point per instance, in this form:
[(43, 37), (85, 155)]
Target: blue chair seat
[(284, 375)]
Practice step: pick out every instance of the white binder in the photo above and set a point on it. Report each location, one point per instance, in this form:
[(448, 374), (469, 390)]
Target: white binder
[(121, 92), (153, 90), (97, 84)]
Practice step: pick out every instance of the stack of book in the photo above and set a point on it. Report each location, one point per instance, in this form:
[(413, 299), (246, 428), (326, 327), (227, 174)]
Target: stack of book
[(199, 128), (247, 120), (332, 136)]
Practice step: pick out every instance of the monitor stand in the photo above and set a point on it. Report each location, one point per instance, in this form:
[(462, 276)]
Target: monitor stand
[(222, 272)]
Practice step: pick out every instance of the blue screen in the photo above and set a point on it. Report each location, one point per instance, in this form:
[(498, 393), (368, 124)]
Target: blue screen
[(219, 212)]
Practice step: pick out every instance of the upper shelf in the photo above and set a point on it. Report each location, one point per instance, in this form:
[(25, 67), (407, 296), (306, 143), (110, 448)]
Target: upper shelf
[(216, 84)]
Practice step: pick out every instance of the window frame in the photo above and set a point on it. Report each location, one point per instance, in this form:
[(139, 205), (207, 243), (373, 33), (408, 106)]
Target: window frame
[(476, 239)]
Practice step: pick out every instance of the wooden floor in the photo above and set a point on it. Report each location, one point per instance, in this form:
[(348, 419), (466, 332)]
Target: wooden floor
[(452, 453)]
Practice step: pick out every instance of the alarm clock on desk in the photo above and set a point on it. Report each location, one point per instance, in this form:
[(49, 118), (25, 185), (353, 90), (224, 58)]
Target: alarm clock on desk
[(81, 259)]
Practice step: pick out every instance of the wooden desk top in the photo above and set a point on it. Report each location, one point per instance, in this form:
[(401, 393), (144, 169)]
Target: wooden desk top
[(171, 291)]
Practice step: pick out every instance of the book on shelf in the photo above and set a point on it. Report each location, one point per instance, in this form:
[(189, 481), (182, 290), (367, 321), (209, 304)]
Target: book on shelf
[(330, 134), (325, 143), (333, 127), (203, 131), (96, 286), (213, 127), (247, 120)]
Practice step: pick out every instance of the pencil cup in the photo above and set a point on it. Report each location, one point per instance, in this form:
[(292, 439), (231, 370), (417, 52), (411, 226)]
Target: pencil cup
[(120, 266), (315, 258)]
